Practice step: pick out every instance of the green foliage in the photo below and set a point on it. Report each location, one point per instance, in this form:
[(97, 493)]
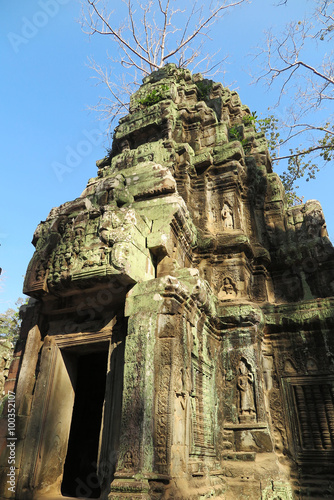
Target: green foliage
[(235, 133), (203, 89), (327, 146), (155, 96), (301, 164), (301, 161), (248, 120), (269, 127), (10, 323)]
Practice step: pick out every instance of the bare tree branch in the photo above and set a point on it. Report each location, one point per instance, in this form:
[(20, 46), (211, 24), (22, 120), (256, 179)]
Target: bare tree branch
[(116, 34), (201, 27), (305, 85), (302, 153), (153, 50), (151, 34), (134, 31)]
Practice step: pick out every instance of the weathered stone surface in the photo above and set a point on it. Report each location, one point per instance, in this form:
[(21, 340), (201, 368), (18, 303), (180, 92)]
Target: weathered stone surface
[(180, 345)]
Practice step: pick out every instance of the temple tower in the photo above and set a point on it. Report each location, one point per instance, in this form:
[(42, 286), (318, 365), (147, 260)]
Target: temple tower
[(179, 340)]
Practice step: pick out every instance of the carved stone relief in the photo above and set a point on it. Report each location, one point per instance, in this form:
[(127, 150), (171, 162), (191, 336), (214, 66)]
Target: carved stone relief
[(202, 406), (228, 290), (245, 384), (227, 216)]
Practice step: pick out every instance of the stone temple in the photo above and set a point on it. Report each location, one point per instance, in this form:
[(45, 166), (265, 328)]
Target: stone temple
[(179, 343)]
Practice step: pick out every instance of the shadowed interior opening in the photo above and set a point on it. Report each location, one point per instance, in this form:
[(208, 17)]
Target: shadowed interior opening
[(80, 470)]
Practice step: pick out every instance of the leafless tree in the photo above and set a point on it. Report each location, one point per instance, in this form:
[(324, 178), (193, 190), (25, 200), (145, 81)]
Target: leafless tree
[(306, 85), (152, 33)]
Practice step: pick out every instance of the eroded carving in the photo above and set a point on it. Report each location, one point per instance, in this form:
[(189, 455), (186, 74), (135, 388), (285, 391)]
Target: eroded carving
[(227, 216), (245, 383), (228, 290)]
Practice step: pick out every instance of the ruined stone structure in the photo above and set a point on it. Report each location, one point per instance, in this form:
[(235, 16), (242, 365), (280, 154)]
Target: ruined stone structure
[(180, 344)]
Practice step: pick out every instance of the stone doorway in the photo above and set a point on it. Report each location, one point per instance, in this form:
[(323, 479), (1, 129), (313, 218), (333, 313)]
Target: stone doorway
[(80, 469), (75, 419)]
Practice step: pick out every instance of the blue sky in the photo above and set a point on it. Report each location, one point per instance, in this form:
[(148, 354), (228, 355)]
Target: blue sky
[(46, 87)]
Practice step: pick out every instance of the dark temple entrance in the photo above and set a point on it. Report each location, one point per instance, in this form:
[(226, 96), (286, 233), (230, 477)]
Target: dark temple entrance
[(80, 470)]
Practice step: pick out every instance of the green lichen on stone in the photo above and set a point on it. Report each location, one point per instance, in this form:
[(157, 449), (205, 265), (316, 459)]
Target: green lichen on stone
[(155, 96), (203, 89)]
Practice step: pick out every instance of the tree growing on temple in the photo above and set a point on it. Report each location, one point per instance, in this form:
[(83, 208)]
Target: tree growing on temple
[(152, 34)]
